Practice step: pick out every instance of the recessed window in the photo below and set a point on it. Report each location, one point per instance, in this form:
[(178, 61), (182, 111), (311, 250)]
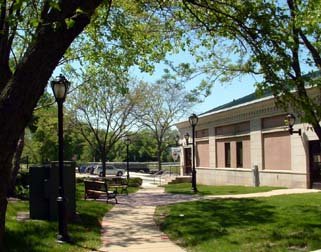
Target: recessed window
[(239, 154), (227, 149)]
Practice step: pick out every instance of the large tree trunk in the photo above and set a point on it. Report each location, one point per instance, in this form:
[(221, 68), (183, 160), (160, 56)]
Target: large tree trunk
[(4, 182), (23, 90), (16, 164), (103, 162), (159, 155)]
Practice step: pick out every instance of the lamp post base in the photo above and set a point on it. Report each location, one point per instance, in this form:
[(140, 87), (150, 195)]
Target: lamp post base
[(64, 239), (63, 236), (194, 188)]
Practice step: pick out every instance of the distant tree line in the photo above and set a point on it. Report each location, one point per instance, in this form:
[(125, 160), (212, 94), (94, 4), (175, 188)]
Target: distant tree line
[(41, 143)]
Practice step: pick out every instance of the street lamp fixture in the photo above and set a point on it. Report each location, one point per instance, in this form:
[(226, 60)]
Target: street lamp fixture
[(193, 120), (127, 142), (60, 87), (177, 140), (186, 137), (290, 121)]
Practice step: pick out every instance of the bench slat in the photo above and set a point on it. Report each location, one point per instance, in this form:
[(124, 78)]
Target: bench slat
[(93, 189)]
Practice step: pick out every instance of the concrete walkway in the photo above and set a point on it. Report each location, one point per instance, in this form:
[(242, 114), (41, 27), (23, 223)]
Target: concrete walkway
[(130, 226), (263, 194)]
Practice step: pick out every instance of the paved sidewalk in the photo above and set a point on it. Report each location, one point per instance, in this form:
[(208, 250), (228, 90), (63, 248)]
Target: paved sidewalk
[(263, 194), (130, 226)]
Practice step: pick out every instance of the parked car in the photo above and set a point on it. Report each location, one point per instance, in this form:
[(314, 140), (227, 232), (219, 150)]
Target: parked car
[(90, 169), (110, 170), (139, 169), (82, 169)]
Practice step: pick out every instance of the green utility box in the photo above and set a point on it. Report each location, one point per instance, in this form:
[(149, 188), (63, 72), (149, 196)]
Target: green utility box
[(44, 182)]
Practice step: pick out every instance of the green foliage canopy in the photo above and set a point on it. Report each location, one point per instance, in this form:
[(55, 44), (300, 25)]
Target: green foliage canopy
[(279, 41)]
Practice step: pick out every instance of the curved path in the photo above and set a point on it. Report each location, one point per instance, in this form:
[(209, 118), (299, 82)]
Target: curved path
[(130, 226)]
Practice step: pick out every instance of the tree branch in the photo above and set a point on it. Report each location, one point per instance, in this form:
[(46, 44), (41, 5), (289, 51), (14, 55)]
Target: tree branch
[(312, 49)]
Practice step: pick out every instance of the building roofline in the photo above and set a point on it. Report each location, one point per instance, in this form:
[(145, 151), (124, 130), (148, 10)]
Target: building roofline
[(246, 100), (254, 96), (238, 103)]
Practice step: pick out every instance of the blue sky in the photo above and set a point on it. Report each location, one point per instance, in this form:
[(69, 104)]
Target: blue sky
[(224, 93), (221, 93)]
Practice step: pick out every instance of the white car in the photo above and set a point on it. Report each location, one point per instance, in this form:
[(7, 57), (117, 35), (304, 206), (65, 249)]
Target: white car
[(110, 170)]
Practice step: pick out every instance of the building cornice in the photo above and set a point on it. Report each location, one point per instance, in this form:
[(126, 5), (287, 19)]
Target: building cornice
[(263, 107)]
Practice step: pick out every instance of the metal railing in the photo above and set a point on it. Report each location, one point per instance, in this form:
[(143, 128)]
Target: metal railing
[(160, 176)]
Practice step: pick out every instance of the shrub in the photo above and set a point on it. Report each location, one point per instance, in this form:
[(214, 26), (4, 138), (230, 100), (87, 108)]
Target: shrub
[(22, 179), (80, 179), (22, 192), (135, 182), (22, 185)]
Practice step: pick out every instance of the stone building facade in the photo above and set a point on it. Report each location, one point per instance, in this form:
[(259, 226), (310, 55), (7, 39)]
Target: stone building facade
[(236, 140)]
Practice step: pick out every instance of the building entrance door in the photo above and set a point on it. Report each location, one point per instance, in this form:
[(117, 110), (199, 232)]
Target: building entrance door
[(315, 164), (187, 161)]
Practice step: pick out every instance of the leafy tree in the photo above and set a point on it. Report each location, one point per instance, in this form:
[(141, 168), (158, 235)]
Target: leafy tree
[(20, 146), (34, 38), (103, 111), (170, 140), (45, 142), (277, 40), (141, 149), (143, 146), (166, 101), (43, 38), (88, 154), (41, 140)]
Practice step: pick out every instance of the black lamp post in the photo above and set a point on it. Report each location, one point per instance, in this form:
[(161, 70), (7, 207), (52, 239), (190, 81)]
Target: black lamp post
[(193, 120), (290, 121), (127, 142), (60, 87)]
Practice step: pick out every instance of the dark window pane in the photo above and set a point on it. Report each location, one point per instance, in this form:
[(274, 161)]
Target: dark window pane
[(227, 154), (239, 154)]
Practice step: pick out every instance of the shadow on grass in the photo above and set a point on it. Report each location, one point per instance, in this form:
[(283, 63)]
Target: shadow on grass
[(40, 236), (25, 237), (280, 223), (34, 235), (299, 225), (201, 221)]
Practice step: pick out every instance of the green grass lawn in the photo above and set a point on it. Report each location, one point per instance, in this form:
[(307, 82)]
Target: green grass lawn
[(279, 223), (186, 188), (40, 236)]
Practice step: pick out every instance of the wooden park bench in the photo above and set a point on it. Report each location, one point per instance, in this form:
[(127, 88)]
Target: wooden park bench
[(118, 183), (94, 189)]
